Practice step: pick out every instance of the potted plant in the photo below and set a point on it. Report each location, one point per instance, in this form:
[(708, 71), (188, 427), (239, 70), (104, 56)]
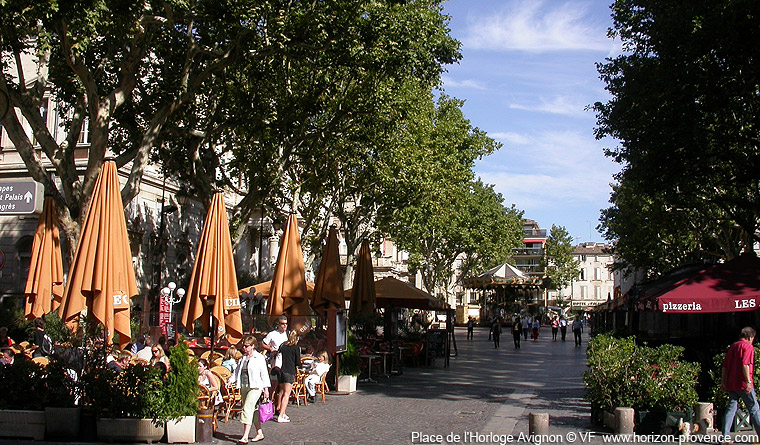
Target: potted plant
[(653, 381), (62, 416), (21, 415), (179, 399), (127, 404), (348, 370)]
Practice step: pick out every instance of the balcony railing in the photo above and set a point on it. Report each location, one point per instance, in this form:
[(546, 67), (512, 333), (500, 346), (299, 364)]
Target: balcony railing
[(532, 251), (534, 232)]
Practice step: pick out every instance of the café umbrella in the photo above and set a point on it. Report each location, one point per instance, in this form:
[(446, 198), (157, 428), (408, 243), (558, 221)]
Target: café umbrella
[(213, 284), (287, 296), (363, 291), (328, 287), (44, 284), (101, 277)]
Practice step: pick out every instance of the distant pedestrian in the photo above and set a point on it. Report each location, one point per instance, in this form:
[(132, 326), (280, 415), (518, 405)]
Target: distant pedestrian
[(490, 327), (517, 331), (496, 332), (555, 327), (470, 329), (563, 327), (527, 324), (536, 328), (577, 330), (736, 380)]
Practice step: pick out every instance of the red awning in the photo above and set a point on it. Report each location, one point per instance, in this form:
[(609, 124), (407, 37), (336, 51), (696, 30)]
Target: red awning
[(733, 286)]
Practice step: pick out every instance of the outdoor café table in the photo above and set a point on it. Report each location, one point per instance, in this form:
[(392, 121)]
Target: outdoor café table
[(369, 358), (385, 355)]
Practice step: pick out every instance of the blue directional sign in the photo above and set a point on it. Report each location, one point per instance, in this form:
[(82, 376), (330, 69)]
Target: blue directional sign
[(21, 197)]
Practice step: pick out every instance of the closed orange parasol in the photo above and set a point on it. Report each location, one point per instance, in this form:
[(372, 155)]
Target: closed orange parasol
[(101, 276), (328, 288), (288, 292), (44, 284), (213, 284), (363, 291)]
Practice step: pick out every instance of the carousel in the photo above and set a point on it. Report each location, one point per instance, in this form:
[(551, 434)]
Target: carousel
[(506, 291)]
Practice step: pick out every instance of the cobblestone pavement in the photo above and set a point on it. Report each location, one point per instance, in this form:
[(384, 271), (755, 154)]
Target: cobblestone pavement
[(484, 397), (483, 391)]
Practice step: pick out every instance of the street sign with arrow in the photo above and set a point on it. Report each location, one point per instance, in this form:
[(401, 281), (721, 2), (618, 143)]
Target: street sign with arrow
[(21, 197)]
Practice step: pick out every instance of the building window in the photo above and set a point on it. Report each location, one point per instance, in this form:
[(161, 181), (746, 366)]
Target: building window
[(597, 293), (460, 299), (583, 274), (84, 135), (584, 292), (597, 273)]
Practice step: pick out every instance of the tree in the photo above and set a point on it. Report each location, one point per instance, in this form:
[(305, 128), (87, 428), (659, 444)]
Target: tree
[(437, 211), (558, 261), (685, 109), (239, 95)]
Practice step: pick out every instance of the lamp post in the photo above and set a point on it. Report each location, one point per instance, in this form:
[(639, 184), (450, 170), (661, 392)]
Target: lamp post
[(168, 294)]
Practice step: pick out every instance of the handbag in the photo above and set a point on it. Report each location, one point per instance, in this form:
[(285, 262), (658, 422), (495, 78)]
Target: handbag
[(266, 410)]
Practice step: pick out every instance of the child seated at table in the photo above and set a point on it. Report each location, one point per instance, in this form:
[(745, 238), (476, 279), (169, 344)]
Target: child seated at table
[(319, 369)]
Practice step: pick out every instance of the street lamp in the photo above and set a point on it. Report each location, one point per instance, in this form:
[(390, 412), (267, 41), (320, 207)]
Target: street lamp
[(168, 294)]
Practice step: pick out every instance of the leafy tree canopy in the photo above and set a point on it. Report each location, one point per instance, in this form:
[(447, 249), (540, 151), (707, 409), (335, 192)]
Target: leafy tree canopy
[(558, 260), (685, 109)]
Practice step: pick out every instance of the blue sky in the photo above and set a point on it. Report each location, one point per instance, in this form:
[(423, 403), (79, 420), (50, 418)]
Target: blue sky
[(527, 74)]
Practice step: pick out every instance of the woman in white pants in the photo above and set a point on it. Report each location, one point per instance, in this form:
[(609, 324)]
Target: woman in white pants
[(252, 377)]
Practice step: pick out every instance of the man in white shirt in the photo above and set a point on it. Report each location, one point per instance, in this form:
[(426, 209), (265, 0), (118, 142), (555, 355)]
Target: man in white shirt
[(145, 353), (271, 344)]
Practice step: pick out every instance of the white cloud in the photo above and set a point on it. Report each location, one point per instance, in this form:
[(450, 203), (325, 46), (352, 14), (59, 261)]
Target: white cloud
[(511, 138), (467, 83), (559, 105), (537, 26), (549, 170)]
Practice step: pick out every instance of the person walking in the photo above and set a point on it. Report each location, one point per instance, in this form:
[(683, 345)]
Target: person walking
[(470, 329), (555, 327), (536, 328), (736, 380), (252, 377), (517, 331), (526, 325), (496, 332), (577, 330), (563, 327)]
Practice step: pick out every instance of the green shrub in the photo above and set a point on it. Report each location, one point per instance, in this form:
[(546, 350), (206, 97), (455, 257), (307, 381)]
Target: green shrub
[(23, 383), (349, 360), (61, 390), (179, 394), (623, 374), (134, 392), (672, 383)]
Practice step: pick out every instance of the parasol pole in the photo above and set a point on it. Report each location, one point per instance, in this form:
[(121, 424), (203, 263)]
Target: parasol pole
[(213, 335)]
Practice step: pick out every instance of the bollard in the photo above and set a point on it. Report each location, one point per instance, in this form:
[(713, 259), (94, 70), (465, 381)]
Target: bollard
[(204, 428), (624, 421), (703, 416), (538, 424)]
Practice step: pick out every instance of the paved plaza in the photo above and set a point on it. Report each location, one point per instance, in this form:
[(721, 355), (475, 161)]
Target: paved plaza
[(484, 397), (484, 390)]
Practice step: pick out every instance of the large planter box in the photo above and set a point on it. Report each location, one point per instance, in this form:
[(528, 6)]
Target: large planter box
[(129, 430), (609, 420), (347, 383), (62, 423), (181, 431), (22, 424)]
